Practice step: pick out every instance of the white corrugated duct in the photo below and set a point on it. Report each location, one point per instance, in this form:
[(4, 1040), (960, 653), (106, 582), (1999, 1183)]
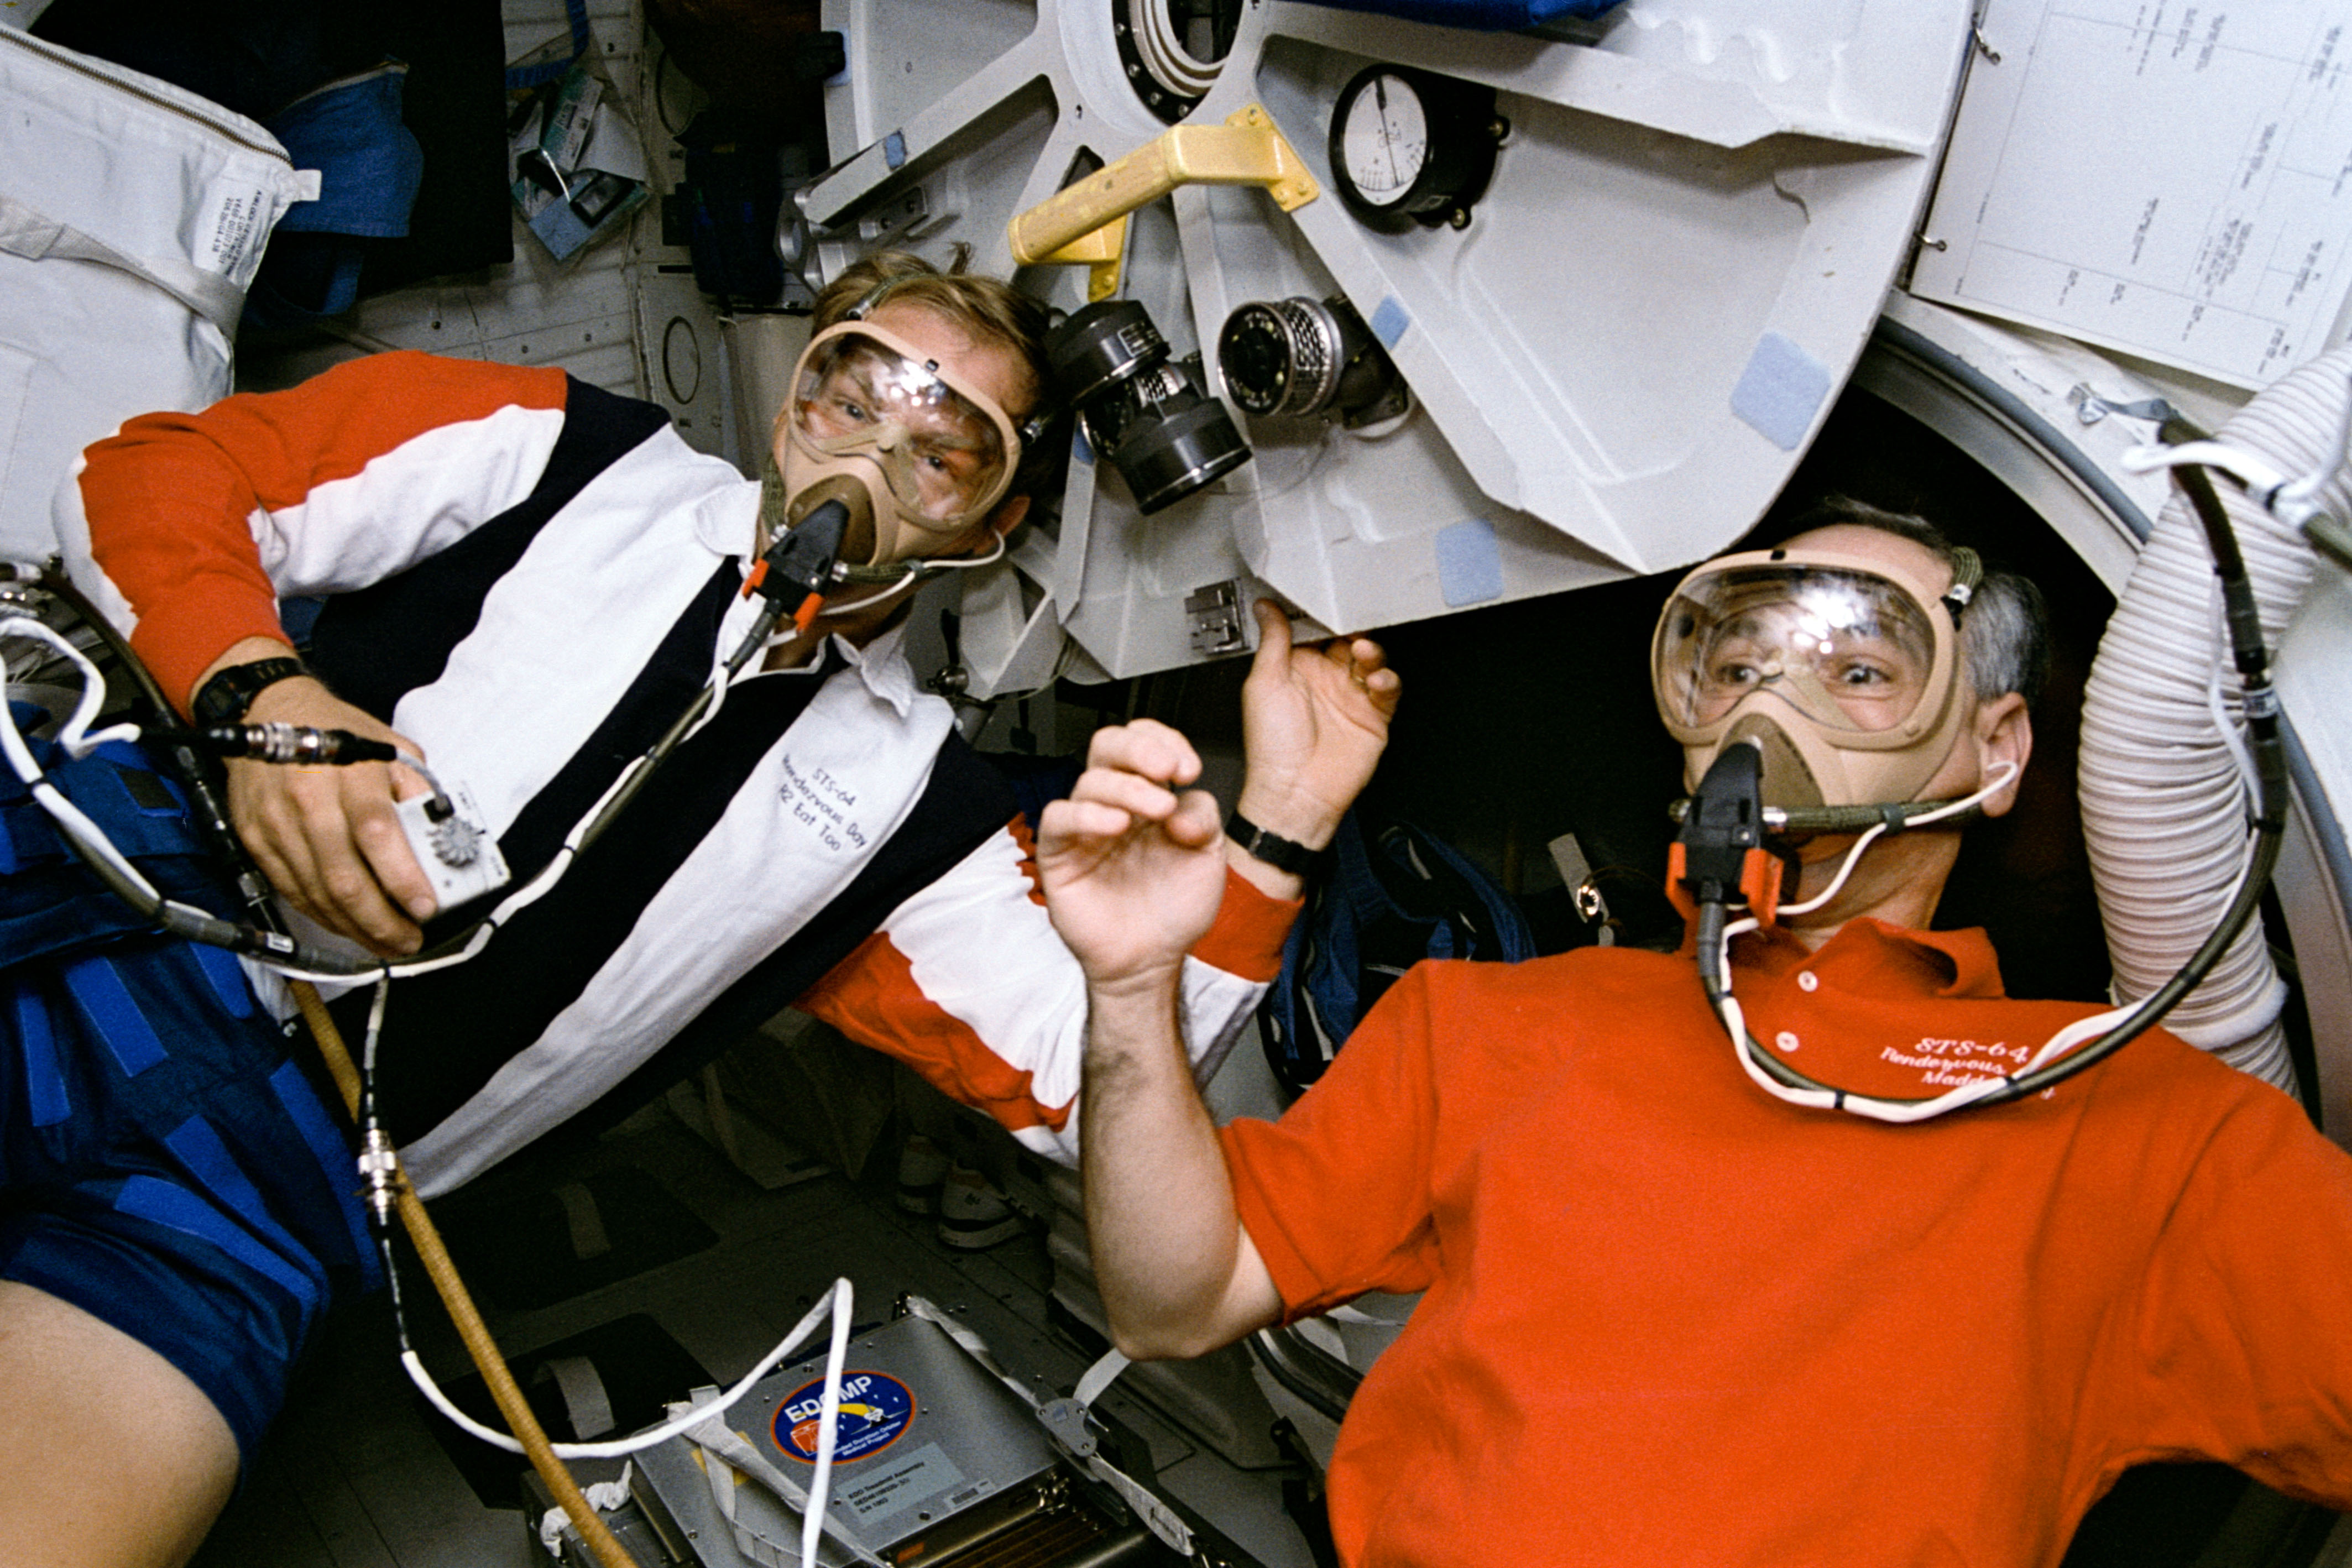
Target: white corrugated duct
[(2164, 800)]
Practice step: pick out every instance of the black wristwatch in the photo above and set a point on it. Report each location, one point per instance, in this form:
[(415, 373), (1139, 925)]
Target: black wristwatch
[(224, 699), (1282, 854)]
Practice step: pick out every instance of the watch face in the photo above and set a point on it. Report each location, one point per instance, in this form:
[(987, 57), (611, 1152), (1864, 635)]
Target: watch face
[(1384, 140)]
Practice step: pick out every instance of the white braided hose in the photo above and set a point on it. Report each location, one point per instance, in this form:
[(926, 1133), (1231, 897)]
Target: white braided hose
[(2164, 800)]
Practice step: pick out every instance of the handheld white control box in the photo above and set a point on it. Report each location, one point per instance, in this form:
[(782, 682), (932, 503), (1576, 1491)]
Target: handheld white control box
[(454, 846)]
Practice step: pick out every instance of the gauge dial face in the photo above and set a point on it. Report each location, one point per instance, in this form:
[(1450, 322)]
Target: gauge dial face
[(1384, 140)]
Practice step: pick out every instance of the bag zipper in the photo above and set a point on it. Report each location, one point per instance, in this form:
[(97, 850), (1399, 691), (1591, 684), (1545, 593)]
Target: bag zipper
[(69, 61)]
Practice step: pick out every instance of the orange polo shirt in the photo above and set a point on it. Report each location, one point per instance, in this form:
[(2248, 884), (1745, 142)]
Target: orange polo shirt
[(1670, 1319)]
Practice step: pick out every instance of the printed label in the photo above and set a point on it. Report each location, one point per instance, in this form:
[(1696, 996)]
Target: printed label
[(911, 1477), (228, 228), (876, 1411), (825, 805)]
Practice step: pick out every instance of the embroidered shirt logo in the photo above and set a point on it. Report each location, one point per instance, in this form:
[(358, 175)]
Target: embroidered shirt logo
[(1949, 1063)]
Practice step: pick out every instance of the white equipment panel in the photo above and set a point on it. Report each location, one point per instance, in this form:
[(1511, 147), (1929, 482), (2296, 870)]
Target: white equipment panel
[(1615, 364)]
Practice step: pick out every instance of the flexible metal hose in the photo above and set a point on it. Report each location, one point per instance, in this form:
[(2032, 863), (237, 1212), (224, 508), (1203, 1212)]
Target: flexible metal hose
[(2164, 803)]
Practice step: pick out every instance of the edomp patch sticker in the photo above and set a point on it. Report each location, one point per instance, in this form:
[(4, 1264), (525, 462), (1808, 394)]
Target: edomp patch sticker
[(876, 1411)]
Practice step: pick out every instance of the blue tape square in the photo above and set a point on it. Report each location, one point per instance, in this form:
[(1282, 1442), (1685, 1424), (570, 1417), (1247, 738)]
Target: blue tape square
[(225, 978), (107, 1003), (1469, 563), (1390, 321), (1780, 391), (159, 1202), (203, 1156), (894, 148), (44, 1080), (326, 1145)]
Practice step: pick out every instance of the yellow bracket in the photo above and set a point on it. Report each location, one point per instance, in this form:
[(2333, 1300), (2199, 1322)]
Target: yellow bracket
[(1085, 224), (1101, 252)]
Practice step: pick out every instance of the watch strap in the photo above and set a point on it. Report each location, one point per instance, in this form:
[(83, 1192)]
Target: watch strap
[(224, 699), (1282, 854)]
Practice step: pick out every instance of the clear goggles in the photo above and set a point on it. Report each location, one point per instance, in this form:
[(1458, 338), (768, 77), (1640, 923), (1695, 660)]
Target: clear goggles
[(1863, 655), (945, 450)]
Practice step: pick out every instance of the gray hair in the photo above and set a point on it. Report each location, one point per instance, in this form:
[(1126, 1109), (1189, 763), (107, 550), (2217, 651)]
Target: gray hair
[(2005, 631)]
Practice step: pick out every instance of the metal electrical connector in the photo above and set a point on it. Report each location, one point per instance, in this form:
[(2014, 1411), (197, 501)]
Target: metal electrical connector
[(297, 743), (802, 566), (1721, 856)]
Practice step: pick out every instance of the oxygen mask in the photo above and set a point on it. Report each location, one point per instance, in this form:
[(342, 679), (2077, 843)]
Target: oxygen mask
[(1844, 674), (914, 455)]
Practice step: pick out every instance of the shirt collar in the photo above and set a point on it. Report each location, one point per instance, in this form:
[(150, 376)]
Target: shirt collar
[(882, 665), (727, 521), (1880, 957)]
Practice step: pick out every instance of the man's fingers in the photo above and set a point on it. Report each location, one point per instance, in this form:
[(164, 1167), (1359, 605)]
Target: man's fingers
[(376, 833), (407, 784), (1081, 821), (1130, 793), (1146, 747), (1273, 639), (1364, 663), (1107, 805), (329, 840), (1196, 820)]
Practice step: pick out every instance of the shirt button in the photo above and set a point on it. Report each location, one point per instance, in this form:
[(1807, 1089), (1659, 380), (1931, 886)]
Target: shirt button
[(1786, 1040), (1808, 980)]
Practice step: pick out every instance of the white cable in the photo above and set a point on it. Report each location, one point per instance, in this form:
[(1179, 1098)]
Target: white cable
[(73, 734), (1852, 855), (2252, 470), (917, 569), (74, 738), (828, 1419), (836, 1302), (2217, 703)]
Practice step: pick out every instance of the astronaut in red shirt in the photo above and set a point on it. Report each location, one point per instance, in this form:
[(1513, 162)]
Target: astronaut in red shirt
[(1669, 1315)]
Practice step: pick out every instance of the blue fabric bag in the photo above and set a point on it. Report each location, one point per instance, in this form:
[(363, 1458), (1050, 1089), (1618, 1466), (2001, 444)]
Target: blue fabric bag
[(51, 906), (1380, 909)]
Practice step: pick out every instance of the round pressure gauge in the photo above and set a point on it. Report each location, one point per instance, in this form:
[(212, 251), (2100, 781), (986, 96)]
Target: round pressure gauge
[(1411, 147)]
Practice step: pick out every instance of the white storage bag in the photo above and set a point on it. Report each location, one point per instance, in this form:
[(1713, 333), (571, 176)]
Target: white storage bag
[(133, 214)]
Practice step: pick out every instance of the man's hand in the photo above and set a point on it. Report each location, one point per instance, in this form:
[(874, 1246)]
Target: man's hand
[(1130, 864), (1315, 719), (1133, 877), (327, 838)]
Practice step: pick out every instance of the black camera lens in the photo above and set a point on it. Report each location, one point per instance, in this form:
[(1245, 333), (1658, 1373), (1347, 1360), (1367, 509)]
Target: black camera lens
[(1142, 410), (1101, 345), (1186, 441)]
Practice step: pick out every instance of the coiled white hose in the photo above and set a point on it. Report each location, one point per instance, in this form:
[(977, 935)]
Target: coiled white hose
[(2164, 800)]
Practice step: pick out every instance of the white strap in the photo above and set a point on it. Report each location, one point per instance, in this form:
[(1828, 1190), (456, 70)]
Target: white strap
[(589, 1407), (589, 1238), (1162, 1520), (1100, 1376), (715, 1437), (28, 233)]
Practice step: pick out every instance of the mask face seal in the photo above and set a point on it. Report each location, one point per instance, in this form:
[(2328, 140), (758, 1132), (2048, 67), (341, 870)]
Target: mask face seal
[(916, 455), (1843, 672)]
